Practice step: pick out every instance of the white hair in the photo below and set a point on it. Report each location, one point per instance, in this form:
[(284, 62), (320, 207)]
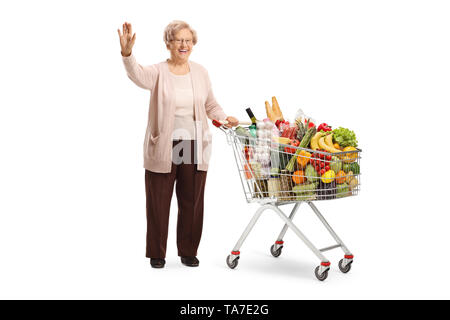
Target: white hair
[(174, 27)]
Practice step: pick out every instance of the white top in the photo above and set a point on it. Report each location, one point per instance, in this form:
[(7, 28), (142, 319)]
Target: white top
[(184, 126)]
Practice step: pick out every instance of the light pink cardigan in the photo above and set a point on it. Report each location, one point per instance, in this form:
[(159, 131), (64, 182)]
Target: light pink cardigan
[(161, 114)]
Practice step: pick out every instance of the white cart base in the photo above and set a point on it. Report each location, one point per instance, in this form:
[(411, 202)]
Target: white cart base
[(321, 271)]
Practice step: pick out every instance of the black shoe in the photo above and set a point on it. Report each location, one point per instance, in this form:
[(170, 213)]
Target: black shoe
[(157, 263), (190, 261)]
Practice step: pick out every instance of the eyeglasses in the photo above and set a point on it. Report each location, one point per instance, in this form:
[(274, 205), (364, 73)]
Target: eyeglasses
[(180, 41)]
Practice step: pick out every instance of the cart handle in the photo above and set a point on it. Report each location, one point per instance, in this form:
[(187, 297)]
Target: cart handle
[(220, 123)]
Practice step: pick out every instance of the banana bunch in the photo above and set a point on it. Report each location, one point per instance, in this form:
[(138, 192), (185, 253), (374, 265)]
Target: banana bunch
[(315, 140), (323, 141)]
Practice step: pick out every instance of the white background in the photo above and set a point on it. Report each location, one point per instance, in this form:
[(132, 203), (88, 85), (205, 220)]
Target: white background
[(72, 201)]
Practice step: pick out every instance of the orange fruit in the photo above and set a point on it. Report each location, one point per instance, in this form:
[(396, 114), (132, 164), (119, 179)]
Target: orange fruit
[(340, 177), (303, 158), (298, 177)]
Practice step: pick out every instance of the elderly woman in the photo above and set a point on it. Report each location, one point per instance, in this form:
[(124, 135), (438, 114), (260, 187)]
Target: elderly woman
[(177, 142)]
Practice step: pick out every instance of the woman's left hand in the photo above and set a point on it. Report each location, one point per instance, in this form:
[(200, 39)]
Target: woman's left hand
[(232, 122)]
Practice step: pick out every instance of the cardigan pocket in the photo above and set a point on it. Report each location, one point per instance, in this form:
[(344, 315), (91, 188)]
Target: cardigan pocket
[(150, 143), (154, 139), (152, 149), (149, 137)]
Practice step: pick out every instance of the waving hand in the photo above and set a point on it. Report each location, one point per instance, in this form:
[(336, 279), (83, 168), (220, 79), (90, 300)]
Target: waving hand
[(126, 40)]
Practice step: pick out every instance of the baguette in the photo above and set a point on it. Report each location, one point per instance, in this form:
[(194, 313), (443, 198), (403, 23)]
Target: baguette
[(269, 112), (276, 109)]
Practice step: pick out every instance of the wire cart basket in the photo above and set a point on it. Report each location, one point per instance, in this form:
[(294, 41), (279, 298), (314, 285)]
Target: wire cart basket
[(262, 163)]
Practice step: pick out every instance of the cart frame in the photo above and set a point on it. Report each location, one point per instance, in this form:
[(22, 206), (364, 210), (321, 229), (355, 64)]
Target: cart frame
[(321, 271)]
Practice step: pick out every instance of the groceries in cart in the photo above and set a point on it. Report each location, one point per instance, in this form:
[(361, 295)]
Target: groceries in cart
[(297, 160), (282, 162)]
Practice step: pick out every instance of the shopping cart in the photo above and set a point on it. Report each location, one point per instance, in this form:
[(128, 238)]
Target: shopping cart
[(262, 163)]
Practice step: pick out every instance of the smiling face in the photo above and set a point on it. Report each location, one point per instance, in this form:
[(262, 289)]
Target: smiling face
[(181, 46)]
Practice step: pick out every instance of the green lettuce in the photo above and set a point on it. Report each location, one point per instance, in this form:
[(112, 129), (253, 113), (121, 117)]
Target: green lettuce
[(345, 137)]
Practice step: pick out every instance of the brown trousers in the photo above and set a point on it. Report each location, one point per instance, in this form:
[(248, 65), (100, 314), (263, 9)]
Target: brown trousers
[(190, 186)]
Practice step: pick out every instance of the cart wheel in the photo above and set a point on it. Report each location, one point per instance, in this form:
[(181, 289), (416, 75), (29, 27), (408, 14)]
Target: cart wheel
[(321, 277), (276, 253), (233, 264), (346, 268)]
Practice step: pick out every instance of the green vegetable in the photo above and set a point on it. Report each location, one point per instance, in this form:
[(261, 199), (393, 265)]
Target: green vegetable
[(354, 166), (303, 144), (311, 174), (302, 128), (345, 137), (240, 131), (243, 134), (336, 164), (307, 138), (302, 188), (304, 191), (342, 190)]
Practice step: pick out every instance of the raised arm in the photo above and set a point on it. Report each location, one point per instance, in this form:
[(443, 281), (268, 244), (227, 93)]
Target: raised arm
[(143, 77)]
